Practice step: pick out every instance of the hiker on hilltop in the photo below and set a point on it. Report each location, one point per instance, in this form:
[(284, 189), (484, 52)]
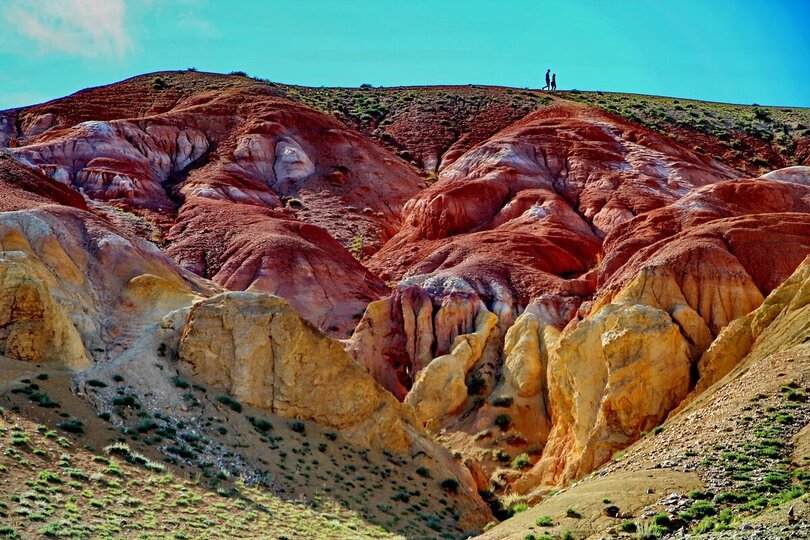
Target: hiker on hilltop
[(554, 82), (548, 80)]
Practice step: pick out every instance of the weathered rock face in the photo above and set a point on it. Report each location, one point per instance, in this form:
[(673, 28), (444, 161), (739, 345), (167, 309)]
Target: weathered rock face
[(262, 352), (617, 373), (750, 219), (400, 335), (257, 348), (673, 279), (520, 217), (544, 191), (247, 247), (799, 174), (24, 189), (561, 262), (33, 326), (439, 388), (77, 290), (250, 157), (119, 160), (612, 218), (781, 322)]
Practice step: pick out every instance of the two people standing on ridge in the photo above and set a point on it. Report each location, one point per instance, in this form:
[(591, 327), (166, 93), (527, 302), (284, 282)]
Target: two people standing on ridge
[(551, 81)]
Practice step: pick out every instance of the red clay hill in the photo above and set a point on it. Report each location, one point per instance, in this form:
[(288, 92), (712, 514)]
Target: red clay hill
[(261, 186), (435, 227)]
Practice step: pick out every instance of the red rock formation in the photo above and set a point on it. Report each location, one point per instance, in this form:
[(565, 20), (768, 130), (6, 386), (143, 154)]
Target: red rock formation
[(208, 163), (23, 188), (544, 191), (766, 205), (247, 247), (547, 242)]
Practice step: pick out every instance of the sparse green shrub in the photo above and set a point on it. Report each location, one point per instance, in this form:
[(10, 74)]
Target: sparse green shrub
[(231, 403), (518, 508), (730, 498), (699, 495), (182, 451), (43, 400), (356, 246), (503, 421), (260, 424), (126, 401), (521, 461), (179, 382), (450, 485), (544, 521), (503, 401), (297, 426), (699, 510), (760, 162), (572, 513), (475, 383), (46, 477), (113, 469), (424, 472), (159, 83), (117, 448), (72, 425), (76, 474)]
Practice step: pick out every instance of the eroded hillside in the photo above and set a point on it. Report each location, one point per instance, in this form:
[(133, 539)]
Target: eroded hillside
[(525, 284)]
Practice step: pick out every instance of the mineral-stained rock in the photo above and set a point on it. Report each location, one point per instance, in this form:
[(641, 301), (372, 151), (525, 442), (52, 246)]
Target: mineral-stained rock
[(558, 288), (87, 287), (763, 224), (439, 388), (799, 174), (238, 180), (615, 374), (781, 322), (536, 198), (245, 247), (256, 347), (33, 326), (402, 334), (23, 188), (261, 351)]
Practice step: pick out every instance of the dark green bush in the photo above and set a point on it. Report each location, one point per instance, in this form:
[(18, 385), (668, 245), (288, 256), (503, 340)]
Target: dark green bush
[(503, 401), (231, 403), (503, 421), (450, 485), (71, 426)]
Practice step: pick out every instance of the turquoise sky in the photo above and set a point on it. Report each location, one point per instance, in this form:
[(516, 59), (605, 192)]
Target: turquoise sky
[(737, 51)]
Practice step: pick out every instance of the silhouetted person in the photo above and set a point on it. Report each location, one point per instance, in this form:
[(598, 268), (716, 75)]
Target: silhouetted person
[(548, 80), (554, 82)]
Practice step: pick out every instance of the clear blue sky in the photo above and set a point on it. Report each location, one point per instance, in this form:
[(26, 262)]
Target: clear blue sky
[(742, 51)]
